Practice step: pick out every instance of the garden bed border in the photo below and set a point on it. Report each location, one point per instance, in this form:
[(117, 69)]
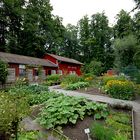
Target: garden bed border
[(133, 124)]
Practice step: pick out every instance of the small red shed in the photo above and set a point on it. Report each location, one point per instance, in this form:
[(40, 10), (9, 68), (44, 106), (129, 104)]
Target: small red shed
[(65, 65)]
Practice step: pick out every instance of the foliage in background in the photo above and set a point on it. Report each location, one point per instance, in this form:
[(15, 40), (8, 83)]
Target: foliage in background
[(124, 25), (3, 72), (125, 50), (132, 72), (120, 89), (94, 67)]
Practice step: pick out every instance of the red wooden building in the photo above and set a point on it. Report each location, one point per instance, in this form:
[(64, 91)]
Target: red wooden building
[(19, 66), (65, 65)]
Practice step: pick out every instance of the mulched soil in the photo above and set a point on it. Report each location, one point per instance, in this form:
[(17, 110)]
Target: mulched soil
[(76, 132)]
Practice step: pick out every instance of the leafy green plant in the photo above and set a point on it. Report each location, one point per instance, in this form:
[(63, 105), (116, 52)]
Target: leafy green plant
[(12, 110), (120, 137), (120, 122), (101, 132), (77, 85), (29, 89), (65, 109), (40, 98), (32, 135)]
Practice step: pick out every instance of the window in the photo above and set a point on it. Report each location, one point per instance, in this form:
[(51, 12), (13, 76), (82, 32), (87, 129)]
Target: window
[(53, 71), (22, 70), (60, 72), (36, 72), (72, 72)]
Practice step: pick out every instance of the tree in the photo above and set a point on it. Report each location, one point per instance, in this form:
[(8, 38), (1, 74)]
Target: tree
[(11, 22), (37, 27), (136, 25), (123, 26), (3, 72), (94, 67), (101, 32), (57, 41), (125, 49), (85, 41), (137, 59), (71, 46), (137, 4)]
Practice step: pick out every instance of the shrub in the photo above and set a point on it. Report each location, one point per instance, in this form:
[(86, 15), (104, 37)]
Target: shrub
[(70, 79), (101, 132), (77, 85), (94, 67), (88, 77), (12, 110), (107, 78), (120, 89), (54, 77), (3, 72), (21, 82)]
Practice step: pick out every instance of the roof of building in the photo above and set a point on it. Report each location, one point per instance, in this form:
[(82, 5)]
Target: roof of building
[(65, 59), (20, 59)]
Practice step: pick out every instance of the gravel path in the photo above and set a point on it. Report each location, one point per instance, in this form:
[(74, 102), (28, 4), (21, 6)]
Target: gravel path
[(111, 101)]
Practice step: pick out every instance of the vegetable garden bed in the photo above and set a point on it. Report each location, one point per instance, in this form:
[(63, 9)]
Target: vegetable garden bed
[(76, 131)]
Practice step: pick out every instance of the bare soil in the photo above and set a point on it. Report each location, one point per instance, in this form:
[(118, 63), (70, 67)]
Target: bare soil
[(76, 132)]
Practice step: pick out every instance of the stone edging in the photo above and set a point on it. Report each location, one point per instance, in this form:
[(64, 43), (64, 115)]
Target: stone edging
[(133, 125)]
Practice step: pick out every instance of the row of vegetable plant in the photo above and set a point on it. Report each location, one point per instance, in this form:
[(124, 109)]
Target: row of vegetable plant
[(117, 126)]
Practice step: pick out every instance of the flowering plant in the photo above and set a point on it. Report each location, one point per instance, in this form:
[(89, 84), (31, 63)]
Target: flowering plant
[(120, 89)]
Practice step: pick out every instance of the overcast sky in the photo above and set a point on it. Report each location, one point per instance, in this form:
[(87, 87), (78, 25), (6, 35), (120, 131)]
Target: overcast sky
[(73, 10)]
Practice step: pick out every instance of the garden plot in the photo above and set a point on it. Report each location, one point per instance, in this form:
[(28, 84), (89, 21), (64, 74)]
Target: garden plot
[(65, 115)]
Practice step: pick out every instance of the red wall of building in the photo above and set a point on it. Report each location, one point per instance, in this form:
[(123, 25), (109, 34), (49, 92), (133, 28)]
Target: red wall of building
[(64, 66), (16, 66), (47, 69), (69, 67), (50, 58)]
